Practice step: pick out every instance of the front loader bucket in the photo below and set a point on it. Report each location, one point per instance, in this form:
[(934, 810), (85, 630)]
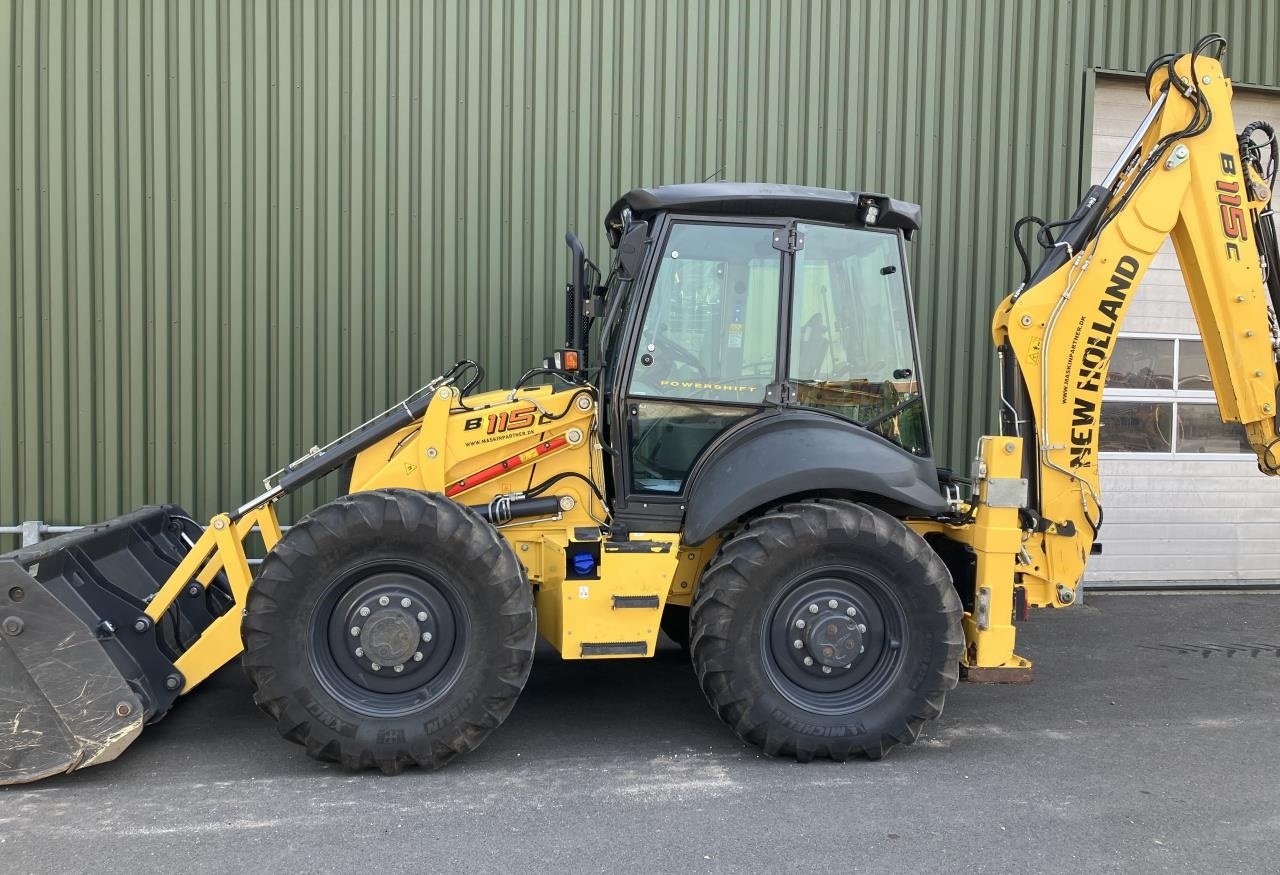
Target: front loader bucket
[(82, 667)]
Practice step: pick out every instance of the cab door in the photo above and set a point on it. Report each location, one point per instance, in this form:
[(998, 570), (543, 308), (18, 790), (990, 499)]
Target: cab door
[(705, 356)]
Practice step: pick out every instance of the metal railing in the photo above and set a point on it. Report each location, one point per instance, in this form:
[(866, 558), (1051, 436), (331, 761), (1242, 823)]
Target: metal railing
[(32, 531)]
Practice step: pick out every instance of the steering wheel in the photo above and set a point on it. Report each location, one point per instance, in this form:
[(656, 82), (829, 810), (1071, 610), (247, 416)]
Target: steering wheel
[(679, 353)]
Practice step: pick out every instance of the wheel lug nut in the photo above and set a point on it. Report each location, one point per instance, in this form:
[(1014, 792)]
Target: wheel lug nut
[(833, 604), (404, 603), (826, 669), (364, 612), (355, 631), (813, 609), (417, 657), (359, 651), (808, 660), (384, 601), (426, 636), (376, 667), (852, 612), (399, 668), (862, 627), (422, 616), (862, 650), (797, 644)]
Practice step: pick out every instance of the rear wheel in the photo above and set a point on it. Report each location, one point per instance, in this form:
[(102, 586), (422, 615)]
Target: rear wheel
[(826, 628), (389, 628)]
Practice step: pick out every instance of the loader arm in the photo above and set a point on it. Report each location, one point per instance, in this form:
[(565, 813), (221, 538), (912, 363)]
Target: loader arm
[(102, 629)]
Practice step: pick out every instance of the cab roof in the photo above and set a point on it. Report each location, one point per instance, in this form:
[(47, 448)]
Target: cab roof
[(765, 199)]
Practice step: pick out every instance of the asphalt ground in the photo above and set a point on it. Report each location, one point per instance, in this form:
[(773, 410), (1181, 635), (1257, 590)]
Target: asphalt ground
[(1148, 742)]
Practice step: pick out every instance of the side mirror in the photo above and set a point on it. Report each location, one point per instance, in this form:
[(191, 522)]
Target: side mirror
[(631, 248)]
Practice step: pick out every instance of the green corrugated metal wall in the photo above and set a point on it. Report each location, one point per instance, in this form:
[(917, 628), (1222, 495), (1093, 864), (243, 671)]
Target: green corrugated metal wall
[(235, 228)]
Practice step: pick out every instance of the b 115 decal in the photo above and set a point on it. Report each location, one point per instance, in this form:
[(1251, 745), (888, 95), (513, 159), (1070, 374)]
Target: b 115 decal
[(507, 420), (1234, 226)]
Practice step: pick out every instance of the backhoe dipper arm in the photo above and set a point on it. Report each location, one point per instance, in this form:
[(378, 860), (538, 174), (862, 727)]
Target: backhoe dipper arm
[(1185, 176)]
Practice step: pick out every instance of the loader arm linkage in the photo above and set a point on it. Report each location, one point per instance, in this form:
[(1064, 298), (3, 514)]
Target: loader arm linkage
[(1037, 510), (102, 629)]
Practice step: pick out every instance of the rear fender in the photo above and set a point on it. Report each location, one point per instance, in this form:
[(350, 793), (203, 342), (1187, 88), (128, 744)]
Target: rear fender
[(804, 453)]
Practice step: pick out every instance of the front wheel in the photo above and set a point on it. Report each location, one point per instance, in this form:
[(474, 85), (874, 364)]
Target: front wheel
[(389, 628), (826, 628)]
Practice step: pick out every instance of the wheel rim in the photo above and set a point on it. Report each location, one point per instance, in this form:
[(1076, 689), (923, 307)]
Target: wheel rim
[(834, 639), (389, 638)]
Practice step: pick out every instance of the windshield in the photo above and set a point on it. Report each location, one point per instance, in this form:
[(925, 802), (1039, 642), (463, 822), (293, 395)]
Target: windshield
[(851, 339)]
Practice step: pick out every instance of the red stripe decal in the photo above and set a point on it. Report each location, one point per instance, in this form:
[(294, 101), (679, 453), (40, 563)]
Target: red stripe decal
[(499, 468)]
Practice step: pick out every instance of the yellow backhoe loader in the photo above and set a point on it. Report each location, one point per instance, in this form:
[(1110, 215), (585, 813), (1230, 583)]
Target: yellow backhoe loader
[(732, 445)]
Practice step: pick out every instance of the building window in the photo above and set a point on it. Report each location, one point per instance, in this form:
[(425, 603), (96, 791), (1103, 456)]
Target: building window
[(1159, 401)]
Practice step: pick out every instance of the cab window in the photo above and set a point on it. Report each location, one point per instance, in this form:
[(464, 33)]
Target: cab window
[(711, 329), (851, 348)]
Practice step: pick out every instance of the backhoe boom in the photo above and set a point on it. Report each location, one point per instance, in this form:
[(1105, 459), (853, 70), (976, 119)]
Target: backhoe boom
[(1185, 176)]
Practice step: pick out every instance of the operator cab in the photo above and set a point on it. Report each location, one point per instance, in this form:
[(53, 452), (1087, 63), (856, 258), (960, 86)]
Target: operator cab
[(748, 329)]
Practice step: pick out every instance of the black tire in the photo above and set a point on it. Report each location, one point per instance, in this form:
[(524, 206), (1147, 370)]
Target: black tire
[(675, 622), (464, 642), (755, 602)]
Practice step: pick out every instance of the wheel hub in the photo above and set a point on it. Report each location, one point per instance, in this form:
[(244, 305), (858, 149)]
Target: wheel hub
[(828, 635), (834, 640), (389, 637), (391, 630)]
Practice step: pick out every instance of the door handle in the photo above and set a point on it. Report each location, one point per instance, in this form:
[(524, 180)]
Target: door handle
[(633, 426)]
